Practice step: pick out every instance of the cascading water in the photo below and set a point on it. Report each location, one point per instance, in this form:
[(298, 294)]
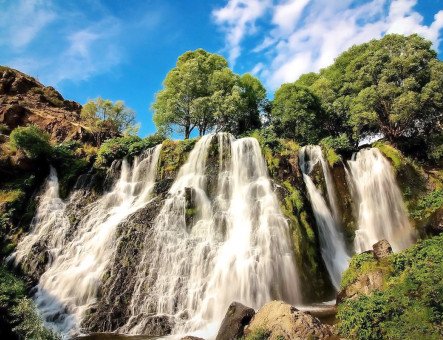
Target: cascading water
[(378, 201), (48, 226), (333, 247), (70, 284), (236, 248)]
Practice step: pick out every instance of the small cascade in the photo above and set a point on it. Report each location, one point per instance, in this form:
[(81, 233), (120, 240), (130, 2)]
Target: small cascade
[(333, 247), (70, 284), (236, 246), (48, 227), (379, 205)]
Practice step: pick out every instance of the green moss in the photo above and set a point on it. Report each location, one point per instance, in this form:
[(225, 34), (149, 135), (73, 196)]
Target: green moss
[(359, 265), (410, 304), (173, 155), (259, 334), (394, 155)]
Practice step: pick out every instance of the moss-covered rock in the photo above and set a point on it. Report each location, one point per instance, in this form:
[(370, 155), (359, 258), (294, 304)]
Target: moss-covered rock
[(407, 304)]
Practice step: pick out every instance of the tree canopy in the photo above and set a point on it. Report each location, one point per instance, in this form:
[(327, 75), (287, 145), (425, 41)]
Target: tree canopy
[(202, 93), (103, 114), (392, 86)]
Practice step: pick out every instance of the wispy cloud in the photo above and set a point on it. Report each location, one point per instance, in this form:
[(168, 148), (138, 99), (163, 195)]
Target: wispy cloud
[(21, 21), (238, 19), (307, 35), (58, 43)]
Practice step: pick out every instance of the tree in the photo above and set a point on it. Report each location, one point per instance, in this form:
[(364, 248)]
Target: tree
[(392, 86), (297, 114), (183, 100), (202, 93), (103, 114)]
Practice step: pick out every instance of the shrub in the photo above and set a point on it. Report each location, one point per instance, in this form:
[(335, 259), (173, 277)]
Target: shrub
[(18, 312), (115, 148), (33, 141), (411, 303)]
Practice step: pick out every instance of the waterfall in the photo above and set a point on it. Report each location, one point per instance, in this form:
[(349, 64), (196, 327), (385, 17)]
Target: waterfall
[(48, 226), (236, 246), (333, 247), (379, 205), (70, 284)]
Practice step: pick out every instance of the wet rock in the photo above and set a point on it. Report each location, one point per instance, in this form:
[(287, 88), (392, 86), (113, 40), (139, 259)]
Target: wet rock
[(190, 337), (281, 320), (382, 249), (236, 318)]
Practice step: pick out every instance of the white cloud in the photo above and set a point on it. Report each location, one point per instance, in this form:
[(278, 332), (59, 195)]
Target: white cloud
[(22, 20), (74, 46), (238, 19), (308, 34)]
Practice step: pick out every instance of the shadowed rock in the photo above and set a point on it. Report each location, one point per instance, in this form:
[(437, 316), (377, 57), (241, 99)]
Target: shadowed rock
[(236, 318)]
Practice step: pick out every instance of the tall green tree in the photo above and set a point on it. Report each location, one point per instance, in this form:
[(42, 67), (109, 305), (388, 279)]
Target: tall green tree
[(297, 114), (201, 92), (392, 86)]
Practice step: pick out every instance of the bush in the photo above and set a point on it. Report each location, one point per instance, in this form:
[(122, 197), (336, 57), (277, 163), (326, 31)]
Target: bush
[(33, 141), (115, 148), (411, 303), (18, 312)]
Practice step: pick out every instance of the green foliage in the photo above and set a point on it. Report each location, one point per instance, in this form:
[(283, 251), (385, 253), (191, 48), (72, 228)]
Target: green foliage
[(202, 93), (297, 114), (392, 86), (428, 204), (360, 264), (126, 146), (173, 155), (103, 114), (19, 312), (33, 141), (411, 303), (4, 128), (259, 334)]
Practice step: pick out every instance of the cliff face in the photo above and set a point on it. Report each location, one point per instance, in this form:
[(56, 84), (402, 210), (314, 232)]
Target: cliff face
[(24, 101)]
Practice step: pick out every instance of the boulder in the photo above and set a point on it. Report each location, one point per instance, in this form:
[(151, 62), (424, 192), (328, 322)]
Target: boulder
[(382, 249), (236, 318), (364, 285), (280, 320)]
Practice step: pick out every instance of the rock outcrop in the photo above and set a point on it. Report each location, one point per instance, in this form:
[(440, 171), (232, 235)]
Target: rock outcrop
[(370, 281), (280, 320), (24, 101), (236, 318)]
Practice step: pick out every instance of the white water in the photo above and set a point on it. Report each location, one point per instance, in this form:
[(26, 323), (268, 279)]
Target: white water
[(379, 204), (238, 248), (70, 284), (48, 225), (333, 247)]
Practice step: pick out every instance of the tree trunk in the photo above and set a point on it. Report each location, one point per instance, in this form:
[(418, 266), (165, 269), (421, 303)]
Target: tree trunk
[(187, 132)]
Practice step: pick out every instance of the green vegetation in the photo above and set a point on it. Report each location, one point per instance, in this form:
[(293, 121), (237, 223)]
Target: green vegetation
[(104, 116), (259, 334), (126, 146), (173, 155), (202, 93), (33, 141), (17, 312), (392, 86), (297, 114), (409, 306)]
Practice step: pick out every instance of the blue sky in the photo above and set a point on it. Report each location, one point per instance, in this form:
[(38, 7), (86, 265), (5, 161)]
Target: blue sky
[(123, 49)]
